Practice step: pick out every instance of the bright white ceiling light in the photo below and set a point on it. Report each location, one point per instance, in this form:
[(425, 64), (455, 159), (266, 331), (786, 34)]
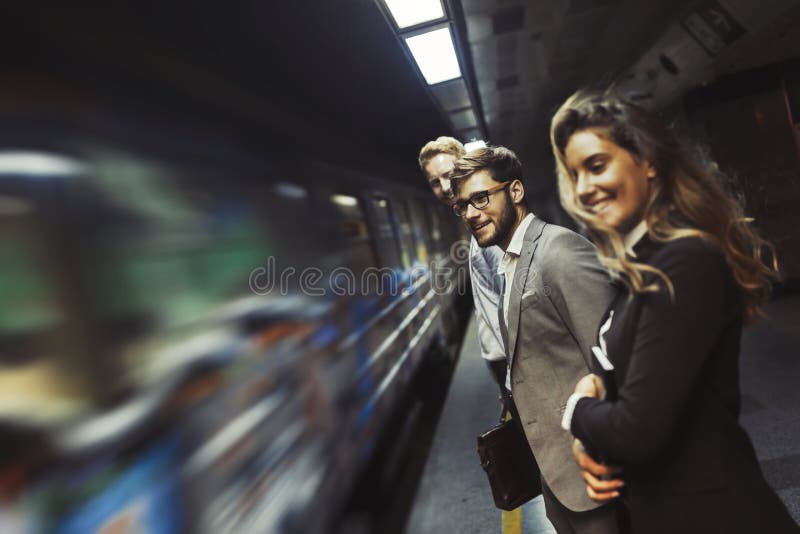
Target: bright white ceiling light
[(29, 163), (435, 55), (344, 200), (407, 13), (290, 190)]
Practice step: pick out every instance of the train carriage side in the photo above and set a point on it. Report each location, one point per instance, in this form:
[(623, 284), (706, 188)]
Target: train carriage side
[(245, 343)]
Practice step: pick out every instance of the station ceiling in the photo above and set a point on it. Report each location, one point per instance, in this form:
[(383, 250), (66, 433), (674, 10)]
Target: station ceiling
[(331, 78)]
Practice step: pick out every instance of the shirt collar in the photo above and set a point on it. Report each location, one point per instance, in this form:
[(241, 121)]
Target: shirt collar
[(515, 245), (630, 239)]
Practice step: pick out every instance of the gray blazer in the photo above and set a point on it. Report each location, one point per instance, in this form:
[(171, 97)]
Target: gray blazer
[(559, 294)]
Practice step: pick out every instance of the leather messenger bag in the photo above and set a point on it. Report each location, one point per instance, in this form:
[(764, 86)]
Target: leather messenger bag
[(508, 461)]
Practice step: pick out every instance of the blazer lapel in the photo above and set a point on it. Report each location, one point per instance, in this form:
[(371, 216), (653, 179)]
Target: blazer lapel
[(502, 320), (520, 281)]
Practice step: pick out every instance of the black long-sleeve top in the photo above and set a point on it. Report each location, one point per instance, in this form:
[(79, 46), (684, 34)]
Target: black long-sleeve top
[(689, 466)]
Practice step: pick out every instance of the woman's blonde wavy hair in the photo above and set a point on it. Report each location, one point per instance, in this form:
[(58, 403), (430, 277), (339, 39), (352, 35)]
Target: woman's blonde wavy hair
[(687, 185)]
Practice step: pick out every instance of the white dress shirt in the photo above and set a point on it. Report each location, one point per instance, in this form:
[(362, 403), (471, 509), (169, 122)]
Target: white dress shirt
[(486, 288), (508, 265), (634, 236)]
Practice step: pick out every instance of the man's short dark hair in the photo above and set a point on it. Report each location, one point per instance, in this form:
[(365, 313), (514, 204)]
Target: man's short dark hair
[(500, 161)]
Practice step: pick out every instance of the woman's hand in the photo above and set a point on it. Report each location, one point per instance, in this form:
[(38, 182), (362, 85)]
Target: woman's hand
[(600, 486), (591, 386)]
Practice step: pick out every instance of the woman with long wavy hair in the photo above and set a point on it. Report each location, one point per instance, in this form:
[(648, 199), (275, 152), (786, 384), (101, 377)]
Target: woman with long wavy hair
[(690, 271)]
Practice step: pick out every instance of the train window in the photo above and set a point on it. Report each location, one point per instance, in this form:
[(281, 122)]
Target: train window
[(385, 236), (421, 229), (407, 243), (353, 229), (432, 217), (282, 211), (30, 306)]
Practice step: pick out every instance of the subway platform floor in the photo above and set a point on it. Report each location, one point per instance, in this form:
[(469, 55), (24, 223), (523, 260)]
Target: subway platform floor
[(453, 494)]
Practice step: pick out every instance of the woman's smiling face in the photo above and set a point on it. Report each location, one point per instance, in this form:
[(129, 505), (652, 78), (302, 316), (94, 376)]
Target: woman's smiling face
[(608, 180)]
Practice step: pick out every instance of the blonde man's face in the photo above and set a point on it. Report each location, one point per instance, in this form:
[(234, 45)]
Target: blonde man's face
[(437, 170)]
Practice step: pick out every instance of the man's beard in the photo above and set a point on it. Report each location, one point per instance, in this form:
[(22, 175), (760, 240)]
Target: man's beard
[(504, 224)]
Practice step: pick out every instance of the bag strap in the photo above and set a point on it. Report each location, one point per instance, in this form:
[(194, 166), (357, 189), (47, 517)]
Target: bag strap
[(508, 403)]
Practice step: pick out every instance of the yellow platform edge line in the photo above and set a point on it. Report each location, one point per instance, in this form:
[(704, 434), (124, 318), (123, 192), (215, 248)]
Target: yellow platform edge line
[(512, 521)]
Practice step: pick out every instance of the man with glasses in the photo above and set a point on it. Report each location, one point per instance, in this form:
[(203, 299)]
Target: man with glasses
[(555, 294), (436, 160)]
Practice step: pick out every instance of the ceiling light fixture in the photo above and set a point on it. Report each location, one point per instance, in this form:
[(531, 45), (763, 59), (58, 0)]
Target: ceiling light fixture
[(290, 190), (344, 200), (407, 13), (435, 55), (431, 39)]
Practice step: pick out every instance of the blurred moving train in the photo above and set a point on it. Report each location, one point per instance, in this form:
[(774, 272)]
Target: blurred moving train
[(206, 344)]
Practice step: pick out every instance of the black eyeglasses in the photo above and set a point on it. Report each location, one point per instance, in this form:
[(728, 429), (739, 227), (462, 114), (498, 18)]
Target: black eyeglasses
[(479, 200)]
